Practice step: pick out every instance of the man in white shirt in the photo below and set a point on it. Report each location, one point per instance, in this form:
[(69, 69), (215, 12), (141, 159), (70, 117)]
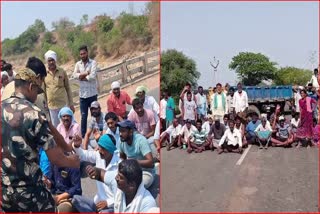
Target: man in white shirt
[(163, 106), (189, 108), (240, 100), (219, 104), (171, 134), (263, 132), (86, 72), (208, 123), (104, 158), (231, 141), (186, 134), (131, 195), (314, 79)]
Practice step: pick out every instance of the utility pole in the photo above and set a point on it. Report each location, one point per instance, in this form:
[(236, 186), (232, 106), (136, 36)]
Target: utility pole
[(214, 64)]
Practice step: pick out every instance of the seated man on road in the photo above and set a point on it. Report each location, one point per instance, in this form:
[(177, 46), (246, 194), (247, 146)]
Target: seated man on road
[(283, 136), (171, 135), (263, 132), (96, 127), (68, 127), (144, 122), (198, 142), (208, 123), (241, 127), (231, 141), (149, 102), (118, 101), (251, 127), (131, 196), (135, 146), (295, 122), (226, 120), (104, 158), (64, 183), (111, 120), (186, 134), (216, 132)]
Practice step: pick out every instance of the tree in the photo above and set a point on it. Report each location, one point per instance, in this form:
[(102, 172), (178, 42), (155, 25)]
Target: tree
[(104, 24), (84, 20), (62, 24), (252, 68), (176, 70), (292, 76)]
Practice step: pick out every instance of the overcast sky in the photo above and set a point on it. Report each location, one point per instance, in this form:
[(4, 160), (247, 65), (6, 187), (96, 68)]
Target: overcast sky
[(287, 32)]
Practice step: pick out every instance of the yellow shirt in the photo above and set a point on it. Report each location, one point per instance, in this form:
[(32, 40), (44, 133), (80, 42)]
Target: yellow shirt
[(40, 102), (57, 89)]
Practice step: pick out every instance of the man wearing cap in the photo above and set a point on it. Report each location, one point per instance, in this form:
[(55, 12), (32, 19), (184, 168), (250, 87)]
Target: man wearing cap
[(103, 158), (24, 131), (217, 130), (57, 88), (148, 101), (118, 100), (97, 126), (86, 72), (135, 146), (38, 67), (283, 136)]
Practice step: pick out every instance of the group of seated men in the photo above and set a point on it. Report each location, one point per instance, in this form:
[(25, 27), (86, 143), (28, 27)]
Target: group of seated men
[(110, 145)]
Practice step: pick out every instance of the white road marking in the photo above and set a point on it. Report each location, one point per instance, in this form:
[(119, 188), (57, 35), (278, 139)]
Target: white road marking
[(243, 155)]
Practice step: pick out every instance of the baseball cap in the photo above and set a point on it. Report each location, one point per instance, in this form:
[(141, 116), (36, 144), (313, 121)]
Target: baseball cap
[(95, 104), (29, 76), (126, 124)]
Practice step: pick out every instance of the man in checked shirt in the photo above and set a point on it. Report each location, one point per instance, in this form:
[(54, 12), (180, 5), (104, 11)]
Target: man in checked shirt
[(86, 72)]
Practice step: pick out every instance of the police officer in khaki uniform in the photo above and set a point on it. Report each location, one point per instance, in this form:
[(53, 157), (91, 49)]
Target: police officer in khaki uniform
[(24, 131)]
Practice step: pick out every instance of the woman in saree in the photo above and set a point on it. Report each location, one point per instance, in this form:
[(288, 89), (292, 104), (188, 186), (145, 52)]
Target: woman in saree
[(305, 128)]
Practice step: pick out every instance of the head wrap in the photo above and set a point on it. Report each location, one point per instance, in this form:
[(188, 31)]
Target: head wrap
[(141, 88), (66, 111), (115, 84), (50, 54), (106, 143)]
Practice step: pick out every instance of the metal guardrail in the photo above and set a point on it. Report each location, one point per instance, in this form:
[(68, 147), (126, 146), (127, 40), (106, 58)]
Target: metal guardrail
[(124, 72)]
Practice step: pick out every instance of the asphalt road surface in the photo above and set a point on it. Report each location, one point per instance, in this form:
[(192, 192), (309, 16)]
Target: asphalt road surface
[(273, 180), (89, 188)]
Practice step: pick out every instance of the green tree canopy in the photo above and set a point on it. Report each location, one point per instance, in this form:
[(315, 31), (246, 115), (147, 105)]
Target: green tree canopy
[(176, 70), (292, 76), (252, 68)]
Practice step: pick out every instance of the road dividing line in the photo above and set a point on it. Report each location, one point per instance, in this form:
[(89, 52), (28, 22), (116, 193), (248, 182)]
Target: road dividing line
[(243, 155)]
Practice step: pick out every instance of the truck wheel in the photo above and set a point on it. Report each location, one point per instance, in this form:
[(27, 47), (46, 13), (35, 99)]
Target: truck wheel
[(253, 108)]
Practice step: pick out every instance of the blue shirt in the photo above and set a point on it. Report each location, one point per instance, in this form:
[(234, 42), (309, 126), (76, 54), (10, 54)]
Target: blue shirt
[(44, 163), (251, 127), (137, 150), (65, 180)]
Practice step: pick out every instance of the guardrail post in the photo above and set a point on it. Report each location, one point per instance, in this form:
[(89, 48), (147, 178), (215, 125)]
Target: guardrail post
[(124, 72), (145, 63)]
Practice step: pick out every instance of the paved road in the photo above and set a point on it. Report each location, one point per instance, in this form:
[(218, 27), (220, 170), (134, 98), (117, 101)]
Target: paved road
[(273, 180), (89, 188)]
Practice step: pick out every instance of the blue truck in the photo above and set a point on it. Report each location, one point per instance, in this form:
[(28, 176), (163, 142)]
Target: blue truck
[(264, 99)]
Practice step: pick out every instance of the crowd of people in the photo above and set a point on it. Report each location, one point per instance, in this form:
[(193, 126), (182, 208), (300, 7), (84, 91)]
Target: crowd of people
[(220, 120), (46, 152)]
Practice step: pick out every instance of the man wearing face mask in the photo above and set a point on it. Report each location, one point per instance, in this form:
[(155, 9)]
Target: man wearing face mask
[(96, 127)]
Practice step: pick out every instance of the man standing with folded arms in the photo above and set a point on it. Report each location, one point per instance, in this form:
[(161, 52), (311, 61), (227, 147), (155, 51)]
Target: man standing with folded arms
[(86, 72)]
